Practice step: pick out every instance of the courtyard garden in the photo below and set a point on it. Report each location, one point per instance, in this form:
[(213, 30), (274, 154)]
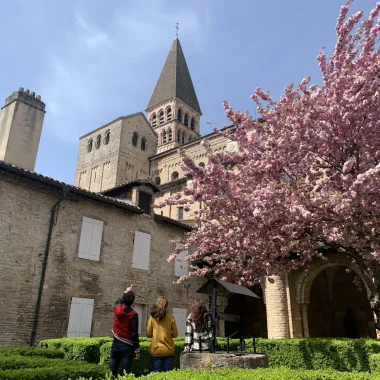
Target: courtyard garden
[(88, 358)]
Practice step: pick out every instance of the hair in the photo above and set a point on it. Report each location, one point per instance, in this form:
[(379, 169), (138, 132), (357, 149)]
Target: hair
[(158, 310), (128, 298), (199, 315)]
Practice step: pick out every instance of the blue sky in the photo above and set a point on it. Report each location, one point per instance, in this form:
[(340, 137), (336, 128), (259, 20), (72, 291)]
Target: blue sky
[(95, 60)]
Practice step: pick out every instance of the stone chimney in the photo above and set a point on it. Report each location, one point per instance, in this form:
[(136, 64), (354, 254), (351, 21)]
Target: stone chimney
[(21, 122)]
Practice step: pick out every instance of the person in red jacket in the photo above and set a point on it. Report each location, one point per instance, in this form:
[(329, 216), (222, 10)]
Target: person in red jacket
[(125, 333)]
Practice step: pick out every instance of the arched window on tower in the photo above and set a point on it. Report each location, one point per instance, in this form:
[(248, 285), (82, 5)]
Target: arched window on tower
[(183, 137), (89, 146), (179, 115), (179, 136), (190, 138), (143, 143), (202, 164), (157, 181), (170, 135), (154, 120), (168, 114), (164, 137), (186, 119), (175, 176), (98, 141), (107, 138), (162, 117), (192, 124), (135, 139)]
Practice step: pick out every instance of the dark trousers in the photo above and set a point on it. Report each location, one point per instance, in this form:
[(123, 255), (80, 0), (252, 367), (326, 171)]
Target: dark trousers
[(161, 364), (121, 353)]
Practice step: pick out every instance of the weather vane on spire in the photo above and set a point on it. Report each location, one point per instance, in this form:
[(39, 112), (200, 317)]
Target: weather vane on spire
[(177, 27)]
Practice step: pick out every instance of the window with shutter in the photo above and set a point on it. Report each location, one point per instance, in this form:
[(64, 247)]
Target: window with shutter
[(180, 316), (80, 319), (180, 267), (141, 251), (90, 239)]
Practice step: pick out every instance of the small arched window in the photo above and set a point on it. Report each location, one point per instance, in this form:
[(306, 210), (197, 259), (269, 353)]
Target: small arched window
[(192, 124), (183, 137), (186, 119), (135, 139), (164, 137), (190, 138), (143, 143), (170, 135), (179, 115), (98, 141), (107, 138), (202, 164), (162, 117), (154, 120), (168, 114), (175, 176), (157, 181), (179, 136), (89, 146)]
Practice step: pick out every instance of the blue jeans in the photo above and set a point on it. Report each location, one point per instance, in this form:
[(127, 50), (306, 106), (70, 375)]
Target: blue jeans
[(161, 364), (121, 353)]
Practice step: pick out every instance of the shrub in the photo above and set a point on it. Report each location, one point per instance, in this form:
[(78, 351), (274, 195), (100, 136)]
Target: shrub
[(31, 351), (63, 372), (374, 364), (252, 374), (85, 349), (18, 361)]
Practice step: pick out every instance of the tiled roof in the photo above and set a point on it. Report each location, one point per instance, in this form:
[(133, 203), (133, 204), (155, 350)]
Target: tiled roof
[(175, 81), (135, 181)]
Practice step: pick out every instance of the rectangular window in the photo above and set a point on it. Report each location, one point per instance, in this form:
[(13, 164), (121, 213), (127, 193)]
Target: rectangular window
[(141, 251), (90, 239), (180, 316), (180, 213), (181, 267), (80, 319)]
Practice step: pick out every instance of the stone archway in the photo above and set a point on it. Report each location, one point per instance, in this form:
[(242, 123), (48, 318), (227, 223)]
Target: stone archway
[(255, 311), (338, 307)]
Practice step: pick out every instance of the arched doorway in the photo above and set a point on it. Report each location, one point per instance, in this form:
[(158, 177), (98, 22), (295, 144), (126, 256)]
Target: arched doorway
[(338, 307), (255, 312)]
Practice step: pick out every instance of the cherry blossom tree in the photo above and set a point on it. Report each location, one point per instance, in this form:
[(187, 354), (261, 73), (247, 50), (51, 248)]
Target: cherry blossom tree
[(305, 180)]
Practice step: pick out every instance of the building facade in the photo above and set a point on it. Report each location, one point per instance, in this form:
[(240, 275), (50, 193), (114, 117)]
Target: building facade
[(68, 251)]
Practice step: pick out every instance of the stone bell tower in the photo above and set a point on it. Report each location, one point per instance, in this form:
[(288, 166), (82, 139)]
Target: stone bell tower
[(173, 110), (21, 122)]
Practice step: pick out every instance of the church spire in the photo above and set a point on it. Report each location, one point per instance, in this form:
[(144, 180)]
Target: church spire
[(175, 81)]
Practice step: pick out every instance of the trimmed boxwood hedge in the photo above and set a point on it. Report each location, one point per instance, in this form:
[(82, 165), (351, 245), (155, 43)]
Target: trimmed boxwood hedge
[(374, 363), (18, 362), (31, 351), (252, 374), (349, 355)]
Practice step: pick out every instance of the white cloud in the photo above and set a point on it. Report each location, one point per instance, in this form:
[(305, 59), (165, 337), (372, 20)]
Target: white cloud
[(98, 71)]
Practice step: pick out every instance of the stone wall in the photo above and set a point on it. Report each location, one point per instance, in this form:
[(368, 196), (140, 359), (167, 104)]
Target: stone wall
[(24, 221)]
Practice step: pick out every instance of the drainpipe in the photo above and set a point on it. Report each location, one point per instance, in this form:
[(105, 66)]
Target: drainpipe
[(53, 211)]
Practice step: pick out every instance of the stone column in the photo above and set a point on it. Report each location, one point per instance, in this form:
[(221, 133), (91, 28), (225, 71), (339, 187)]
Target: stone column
[(277, 308)]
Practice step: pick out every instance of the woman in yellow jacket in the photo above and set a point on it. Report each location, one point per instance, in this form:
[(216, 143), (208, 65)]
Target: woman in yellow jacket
[(162, 329)]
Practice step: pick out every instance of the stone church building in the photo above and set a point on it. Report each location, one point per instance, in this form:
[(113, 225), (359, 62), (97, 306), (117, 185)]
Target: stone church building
[(67, 251)]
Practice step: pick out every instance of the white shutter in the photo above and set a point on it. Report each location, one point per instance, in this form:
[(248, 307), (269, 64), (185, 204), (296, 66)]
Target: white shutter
[(80, 319), (141, 251), (86, 318), (180, 316), (75, 317), (232, 146), (96, 240), (180, 267), (90, 239), (85, 238), (139, 310)]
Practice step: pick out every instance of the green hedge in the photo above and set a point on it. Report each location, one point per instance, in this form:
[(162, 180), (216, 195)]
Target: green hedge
[(84, 349), (18, 362), (374, 363), (31, 351), (349, 355), (252, 374), (79, 370)]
